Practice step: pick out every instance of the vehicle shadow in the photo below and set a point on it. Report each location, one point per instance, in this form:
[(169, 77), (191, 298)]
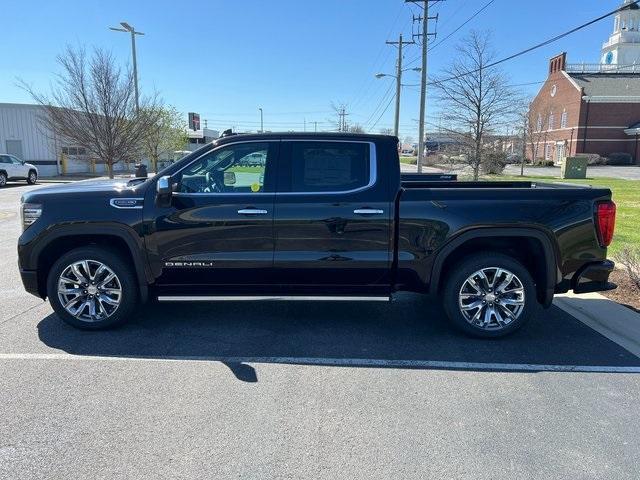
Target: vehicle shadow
[(411, 328)]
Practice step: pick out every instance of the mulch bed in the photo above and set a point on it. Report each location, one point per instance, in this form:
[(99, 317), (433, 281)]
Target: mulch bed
[(626, 294)]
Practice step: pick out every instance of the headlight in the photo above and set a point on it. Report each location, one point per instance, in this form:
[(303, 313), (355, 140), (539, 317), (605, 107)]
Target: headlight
[(29, 213)]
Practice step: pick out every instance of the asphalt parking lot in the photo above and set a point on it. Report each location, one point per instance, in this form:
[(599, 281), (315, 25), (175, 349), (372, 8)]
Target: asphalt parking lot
[(305, 390)]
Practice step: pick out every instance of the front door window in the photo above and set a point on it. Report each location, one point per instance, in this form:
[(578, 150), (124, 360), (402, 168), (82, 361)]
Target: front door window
[(236, 169)]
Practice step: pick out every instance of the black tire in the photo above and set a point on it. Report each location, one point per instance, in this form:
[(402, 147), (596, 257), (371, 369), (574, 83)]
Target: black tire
[(3, 179), (32, 177), (114, 261), (456, 281)]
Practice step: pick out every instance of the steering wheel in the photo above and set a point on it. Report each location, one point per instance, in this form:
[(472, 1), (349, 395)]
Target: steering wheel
[(212, 184)]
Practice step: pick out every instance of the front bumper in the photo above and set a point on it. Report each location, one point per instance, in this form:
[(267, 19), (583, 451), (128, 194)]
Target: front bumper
[(594, 277), (30, 282)]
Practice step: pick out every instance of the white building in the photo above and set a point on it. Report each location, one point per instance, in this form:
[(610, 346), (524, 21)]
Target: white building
[(623, 47), (22, 135), (197, 138)]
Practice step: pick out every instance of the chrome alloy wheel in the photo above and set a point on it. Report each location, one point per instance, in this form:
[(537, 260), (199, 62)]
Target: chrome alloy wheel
[(491, 298), (89, 290), (33, 177)]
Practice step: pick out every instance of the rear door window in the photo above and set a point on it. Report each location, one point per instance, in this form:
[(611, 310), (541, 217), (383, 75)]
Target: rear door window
[(327, 167)]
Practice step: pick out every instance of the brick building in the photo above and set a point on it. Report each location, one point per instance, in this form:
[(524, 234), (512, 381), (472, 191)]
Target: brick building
[(592, 109)]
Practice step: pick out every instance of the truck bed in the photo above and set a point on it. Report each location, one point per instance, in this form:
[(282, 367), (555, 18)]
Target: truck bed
[(414, 181)]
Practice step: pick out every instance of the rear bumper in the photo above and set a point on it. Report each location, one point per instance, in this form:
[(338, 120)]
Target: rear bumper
[(594, 277), (30, 281)]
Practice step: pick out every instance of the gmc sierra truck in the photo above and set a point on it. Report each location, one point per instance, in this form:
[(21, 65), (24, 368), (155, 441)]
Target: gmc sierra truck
[(314, 217)]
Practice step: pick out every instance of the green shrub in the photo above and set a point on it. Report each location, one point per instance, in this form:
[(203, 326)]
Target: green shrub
[(494, 163), (629, 257)]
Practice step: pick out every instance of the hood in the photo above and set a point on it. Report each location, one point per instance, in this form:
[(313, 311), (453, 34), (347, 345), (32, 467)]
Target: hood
[(116, 187)]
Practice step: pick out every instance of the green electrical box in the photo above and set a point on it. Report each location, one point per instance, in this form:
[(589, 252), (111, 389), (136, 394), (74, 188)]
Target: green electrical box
[(574, 167)]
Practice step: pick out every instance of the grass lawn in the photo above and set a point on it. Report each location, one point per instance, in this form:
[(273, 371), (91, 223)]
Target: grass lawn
[(409, 160), (626, 194), (245, 169)]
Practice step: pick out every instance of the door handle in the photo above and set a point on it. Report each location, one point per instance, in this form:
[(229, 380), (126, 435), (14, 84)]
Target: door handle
[(252, 211), (368, 211)]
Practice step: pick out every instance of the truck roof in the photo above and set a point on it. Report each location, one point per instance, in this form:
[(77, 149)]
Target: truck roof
[(305, 135)]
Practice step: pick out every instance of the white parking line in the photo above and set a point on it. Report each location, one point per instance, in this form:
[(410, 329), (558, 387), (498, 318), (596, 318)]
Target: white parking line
[(335, 362)]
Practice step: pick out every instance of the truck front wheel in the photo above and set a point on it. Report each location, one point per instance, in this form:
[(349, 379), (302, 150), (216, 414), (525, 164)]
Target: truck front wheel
[(489, 295), (92, 288)]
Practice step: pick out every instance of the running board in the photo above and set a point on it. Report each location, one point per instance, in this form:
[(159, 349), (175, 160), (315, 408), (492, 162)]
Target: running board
[(277, 298)]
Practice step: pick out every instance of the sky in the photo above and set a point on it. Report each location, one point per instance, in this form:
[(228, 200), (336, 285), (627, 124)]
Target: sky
[(225, 59)]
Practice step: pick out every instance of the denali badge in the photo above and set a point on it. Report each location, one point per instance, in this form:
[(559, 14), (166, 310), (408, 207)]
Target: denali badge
[(188, 264), (126, 202)]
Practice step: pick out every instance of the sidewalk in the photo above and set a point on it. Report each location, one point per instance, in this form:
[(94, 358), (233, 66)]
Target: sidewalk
[(617, 323), (593, 171)]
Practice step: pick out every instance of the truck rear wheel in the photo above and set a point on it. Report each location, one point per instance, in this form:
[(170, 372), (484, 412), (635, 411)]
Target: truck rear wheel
[(92, 288), (489, 295)]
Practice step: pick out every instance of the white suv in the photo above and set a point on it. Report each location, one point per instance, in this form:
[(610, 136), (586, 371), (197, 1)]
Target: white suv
[(12, 168)]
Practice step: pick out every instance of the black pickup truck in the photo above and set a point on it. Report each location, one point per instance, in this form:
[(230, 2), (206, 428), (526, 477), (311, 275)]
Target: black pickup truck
[(315, 217)]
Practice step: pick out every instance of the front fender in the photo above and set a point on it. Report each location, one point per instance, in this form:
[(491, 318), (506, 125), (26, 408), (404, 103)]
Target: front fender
[(31, 249)]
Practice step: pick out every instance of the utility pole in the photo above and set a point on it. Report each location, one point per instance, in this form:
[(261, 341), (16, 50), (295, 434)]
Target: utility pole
[(424, 18), (261, 121), (315, 126), (398, 75), (342, 119), (128, 28)]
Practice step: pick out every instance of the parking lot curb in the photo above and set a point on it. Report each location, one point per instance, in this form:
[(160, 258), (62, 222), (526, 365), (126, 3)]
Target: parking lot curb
[(616, 322)]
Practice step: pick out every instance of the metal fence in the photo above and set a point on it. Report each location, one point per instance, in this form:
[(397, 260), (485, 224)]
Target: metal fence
[(601, 68)]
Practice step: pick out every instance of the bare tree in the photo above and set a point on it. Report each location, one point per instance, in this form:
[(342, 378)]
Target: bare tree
[(355, 128), (475, 96), (168, 134), (386, 131), (92, 104), (524, 131), (537, 131)]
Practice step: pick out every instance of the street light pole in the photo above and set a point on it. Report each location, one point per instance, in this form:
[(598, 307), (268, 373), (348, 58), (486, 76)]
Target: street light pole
[(135, 68), (261, 121), (128, 28), (398, 77)]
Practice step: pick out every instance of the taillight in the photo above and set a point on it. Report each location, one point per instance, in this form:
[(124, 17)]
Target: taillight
[(605, 222)]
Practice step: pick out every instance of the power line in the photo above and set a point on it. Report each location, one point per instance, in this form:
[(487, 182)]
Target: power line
[(456, 30), (383, 112), (366, 86), (539, 45), (380, 103), (486, 5)]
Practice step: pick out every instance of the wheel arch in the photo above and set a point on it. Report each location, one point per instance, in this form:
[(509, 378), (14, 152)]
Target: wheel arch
[(516, 242), (112, 237)]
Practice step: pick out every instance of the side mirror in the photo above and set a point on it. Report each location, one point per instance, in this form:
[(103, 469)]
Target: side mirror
[(229, 178), (163, 191)]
